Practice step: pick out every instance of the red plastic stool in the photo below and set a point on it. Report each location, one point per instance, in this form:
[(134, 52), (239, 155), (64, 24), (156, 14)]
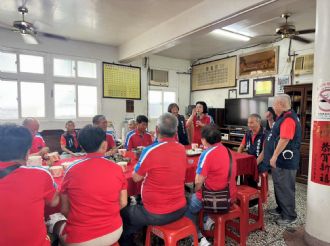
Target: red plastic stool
[(173, 232), (244, 195), (264, 187), (220, 231), (115, 244)]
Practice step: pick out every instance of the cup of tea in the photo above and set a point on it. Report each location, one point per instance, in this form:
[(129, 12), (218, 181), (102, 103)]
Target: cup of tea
[(34, 161), (56, 171), (122, 152), (194, 146)]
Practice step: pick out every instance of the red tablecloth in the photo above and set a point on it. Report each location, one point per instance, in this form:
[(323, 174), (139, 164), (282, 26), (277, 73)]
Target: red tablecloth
[(246, 165)]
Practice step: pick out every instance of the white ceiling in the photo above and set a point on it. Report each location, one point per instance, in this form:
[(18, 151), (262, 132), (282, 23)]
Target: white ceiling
[(117, 22)]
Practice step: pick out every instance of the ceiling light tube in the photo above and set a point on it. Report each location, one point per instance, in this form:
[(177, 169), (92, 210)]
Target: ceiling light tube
[(231, 35)]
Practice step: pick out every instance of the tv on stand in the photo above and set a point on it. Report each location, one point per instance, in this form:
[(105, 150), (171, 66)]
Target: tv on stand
[(238, 110)]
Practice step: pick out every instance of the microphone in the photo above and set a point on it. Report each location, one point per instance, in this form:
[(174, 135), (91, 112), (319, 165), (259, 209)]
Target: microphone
[(198, 117)]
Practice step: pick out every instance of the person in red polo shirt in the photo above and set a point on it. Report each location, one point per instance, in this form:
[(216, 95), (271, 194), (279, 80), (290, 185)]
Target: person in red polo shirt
[(93, 191), (100, 121), (140, 137), (162, 166), (69, 141), (38, 144), (24, 191), (197, 120), (212, 170)]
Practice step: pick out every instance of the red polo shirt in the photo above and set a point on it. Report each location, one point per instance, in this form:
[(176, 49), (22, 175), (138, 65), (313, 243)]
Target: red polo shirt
[(37, 144), (213, 164), (288, 128), (197, 136), (23, 195), (110, 141), (93, 186), (136, 139), (163, 164)]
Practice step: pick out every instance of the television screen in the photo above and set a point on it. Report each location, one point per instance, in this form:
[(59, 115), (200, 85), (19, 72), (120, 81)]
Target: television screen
[(237, 110)]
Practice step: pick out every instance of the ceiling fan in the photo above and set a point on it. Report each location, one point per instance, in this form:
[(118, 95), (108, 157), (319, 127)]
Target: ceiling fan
[(288, 30), (28, 30)]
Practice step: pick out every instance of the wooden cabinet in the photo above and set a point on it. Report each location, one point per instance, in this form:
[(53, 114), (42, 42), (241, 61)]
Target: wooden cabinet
[(232, 137), (301, 100)]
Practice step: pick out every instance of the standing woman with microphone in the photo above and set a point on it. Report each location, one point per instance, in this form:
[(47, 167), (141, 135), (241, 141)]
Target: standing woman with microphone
[(197, 120)]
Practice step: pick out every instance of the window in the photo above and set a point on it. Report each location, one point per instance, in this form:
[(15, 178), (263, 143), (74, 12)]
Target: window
[(87, 101), (86, 69), (65, 101), (64, 68), (8, 62), (32, 99), (159, 101), (33, 87), (8, 100), (31, 64)]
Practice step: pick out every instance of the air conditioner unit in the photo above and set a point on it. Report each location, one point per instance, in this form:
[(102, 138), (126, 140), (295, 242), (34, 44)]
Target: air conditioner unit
[(159, 78), (304, 64)]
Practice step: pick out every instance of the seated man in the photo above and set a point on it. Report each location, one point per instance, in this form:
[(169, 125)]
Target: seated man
[(163, 167), (100, 121), (24, 191), (212, 171), (38, 144), (253, 141), (69, 142), (94, 190), (140, 137)]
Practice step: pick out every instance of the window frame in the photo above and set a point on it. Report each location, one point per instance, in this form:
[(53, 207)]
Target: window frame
[(49, 81), (163, 90)]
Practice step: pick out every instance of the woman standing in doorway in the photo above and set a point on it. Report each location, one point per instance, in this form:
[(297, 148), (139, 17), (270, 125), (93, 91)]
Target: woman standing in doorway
[(173, 108)]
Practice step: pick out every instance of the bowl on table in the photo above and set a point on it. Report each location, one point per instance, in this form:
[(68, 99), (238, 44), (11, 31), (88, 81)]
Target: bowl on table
[(34, 161)]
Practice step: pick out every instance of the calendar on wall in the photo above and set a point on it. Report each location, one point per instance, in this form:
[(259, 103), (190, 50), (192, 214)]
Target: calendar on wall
[(121, 81), (215, 74)]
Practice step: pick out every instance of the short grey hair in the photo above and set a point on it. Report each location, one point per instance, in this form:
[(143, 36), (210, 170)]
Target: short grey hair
[(131, 121), (167, 125), (257, 117), (285, 100), (29, 120)]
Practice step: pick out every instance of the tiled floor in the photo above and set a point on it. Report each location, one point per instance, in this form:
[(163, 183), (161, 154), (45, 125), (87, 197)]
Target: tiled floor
[(273, 234)]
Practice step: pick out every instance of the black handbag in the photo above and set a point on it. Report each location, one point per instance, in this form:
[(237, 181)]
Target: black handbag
[(218, 202)]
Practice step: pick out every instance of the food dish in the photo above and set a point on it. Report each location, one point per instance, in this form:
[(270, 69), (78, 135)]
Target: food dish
[(191, 152)]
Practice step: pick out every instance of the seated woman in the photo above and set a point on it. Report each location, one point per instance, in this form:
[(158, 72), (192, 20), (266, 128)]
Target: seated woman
[(92, 193), (69, 142), (212, 171)]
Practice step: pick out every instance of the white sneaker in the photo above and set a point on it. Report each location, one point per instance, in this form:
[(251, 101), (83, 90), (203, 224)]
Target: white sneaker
[(53, 219), (209, 224), (204, 242)]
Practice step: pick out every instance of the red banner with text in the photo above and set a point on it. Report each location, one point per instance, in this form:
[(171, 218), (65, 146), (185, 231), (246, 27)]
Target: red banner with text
[(321, 153)]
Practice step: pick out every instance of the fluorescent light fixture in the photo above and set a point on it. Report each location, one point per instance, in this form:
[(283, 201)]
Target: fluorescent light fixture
[(231, 35)]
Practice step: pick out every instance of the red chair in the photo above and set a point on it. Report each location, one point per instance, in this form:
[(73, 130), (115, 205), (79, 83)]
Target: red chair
[(220, 230), (244, 195), (173, 232), (264, 187)]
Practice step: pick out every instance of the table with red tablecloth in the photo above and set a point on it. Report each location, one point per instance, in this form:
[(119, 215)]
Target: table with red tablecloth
[(246, 165)]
